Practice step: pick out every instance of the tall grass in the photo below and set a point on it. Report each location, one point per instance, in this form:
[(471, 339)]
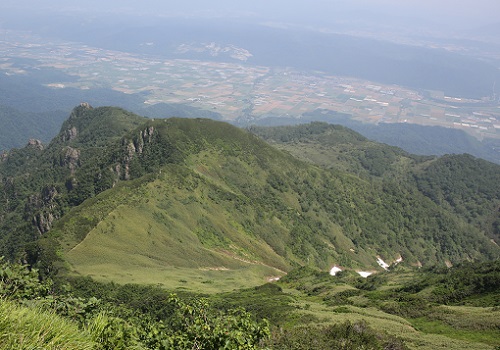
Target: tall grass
[(25, 328)]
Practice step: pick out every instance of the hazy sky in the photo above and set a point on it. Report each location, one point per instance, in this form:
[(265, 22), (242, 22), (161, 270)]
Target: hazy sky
[(418, 16), (479, 11)]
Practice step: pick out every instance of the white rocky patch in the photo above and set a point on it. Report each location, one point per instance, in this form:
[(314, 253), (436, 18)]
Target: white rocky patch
[(364, 274), (334, 270), (382, 263)]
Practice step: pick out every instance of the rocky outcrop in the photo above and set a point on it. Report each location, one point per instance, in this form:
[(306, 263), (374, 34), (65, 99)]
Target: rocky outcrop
[(70, 158), (69, 134), (35, 144), (43, 222), (44, 199), (49, 194), (133, 148), (145, 136), (42, 209), (71, 131)]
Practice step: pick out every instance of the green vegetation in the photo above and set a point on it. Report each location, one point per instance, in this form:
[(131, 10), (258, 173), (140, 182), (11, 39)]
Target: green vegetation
[(413, 138), (59, 320), (29, 328), (416, 300), (227, 202), (307, 309), (222, 205), (462, 184), (466, 185), (339, 336), (181, 222)]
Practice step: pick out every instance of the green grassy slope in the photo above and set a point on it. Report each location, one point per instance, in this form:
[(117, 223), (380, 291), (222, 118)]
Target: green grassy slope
[(455, 308), (231, 205)]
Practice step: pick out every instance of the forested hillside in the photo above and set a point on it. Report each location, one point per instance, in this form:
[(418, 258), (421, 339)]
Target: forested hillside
[(413, 138), (467, 186), (19, 127)]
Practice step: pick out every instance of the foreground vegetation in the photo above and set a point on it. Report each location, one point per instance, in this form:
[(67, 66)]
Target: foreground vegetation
[(37, 314), (307, 309)]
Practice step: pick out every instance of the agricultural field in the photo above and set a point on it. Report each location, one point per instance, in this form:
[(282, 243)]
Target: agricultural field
[(239, 91)]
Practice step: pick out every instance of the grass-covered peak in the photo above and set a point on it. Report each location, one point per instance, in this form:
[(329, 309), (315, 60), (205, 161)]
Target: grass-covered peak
[(95, 126)]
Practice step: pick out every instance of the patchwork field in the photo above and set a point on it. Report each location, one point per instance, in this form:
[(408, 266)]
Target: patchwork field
[(239, 91)]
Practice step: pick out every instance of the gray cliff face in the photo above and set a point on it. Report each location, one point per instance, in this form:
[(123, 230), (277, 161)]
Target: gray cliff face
[(132, 149), (69, 134), (70, 158), (43, 222), (145, 137), (42, 207)]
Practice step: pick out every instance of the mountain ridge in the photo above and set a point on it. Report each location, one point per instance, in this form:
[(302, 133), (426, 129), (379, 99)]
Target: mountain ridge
[(206, 198)]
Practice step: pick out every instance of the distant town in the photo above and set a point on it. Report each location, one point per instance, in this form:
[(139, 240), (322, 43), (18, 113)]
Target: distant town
[(238, 90)]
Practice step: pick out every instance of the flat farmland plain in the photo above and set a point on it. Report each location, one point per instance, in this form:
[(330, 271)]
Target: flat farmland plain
[(239, 91)]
